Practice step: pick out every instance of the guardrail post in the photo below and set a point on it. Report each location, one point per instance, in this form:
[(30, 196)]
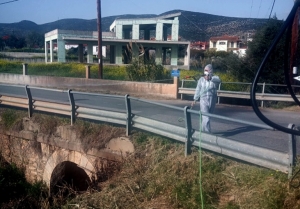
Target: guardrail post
[(219, 89), (87, 71), (29, 96), (129, 115), (182, 81), (263, 91), (188, 126), (25, 68), (292, 150), (72, 104)]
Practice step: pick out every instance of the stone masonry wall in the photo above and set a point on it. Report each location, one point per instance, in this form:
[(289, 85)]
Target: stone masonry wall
[(40, 153)]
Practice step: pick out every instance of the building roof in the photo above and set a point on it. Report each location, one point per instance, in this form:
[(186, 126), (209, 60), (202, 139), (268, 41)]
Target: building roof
[(225, 37), (199, 43)]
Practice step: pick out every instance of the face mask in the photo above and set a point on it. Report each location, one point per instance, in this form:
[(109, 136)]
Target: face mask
[(206, 73)]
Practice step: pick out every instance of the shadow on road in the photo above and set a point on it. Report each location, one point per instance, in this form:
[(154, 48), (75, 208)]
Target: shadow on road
[(236, 131)]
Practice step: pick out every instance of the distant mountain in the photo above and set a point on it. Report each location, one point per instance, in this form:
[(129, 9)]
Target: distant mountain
[(193, 26)]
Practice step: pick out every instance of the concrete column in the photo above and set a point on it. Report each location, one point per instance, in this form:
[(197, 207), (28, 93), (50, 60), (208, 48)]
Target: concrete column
[(89, 53), (159, 31), (158, 55), (80, 53), (118, 53), (174, 55), (112, 54), (176, 86), (187, 56), (25, 72), (61, 51), (119, 31), (46, 52), (136, 31), (175, 29), (87, 71), (51, 50)]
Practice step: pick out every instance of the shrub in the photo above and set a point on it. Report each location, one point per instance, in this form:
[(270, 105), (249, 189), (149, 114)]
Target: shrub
[(149, 70), (10, 67)]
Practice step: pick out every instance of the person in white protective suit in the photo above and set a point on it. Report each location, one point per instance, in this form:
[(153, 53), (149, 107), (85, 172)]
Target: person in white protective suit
[(206, 90)]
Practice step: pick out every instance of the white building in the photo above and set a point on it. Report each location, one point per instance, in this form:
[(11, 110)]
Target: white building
[(124, 40), (224, 43)]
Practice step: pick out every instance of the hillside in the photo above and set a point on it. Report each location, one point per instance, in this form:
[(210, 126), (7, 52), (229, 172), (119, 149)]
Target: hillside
[(193, 26)]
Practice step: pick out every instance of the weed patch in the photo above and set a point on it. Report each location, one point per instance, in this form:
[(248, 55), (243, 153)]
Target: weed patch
[(96, 136), (8, 117)]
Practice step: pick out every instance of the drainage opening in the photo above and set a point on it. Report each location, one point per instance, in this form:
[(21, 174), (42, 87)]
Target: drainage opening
[(67, 178)]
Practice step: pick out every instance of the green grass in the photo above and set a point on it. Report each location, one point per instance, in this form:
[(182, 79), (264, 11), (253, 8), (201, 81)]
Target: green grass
[(75, 70)]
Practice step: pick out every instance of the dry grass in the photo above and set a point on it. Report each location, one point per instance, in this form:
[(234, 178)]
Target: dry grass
[(293, 108), (157, 175), (95, 135)]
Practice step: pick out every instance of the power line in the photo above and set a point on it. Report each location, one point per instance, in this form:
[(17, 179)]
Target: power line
[(259, 8), (251, 8), (272, 9), (8, 2)]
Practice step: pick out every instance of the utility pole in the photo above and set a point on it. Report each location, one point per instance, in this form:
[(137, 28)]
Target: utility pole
[(100, 62)]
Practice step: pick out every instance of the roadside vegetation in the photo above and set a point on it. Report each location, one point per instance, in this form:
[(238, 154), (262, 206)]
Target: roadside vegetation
[(156, 175)]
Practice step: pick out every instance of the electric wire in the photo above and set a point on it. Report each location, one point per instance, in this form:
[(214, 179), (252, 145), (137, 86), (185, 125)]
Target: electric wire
[(292, 179), (286, 27), (251, 8), (259, 8), (205, 90), (272, 9), (200, 161), (8, 2)]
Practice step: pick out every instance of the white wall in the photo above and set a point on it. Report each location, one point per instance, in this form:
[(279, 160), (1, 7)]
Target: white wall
[(95, 51)]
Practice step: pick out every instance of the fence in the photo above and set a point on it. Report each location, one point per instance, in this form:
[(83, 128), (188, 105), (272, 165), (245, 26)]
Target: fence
[(130, 118), (263, 96)]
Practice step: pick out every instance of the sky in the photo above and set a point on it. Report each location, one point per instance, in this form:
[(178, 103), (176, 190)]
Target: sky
[(46, 11)]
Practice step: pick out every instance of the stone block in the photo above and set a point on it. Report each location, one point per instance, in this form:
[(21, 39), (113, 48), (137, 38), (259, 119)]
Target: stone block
[(29, 135), (77, 157), (71, 156), (83, 162), (89, 167)]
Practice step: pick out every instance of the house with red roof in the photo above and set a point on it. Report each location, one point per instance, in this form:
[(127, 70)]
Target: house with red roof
[(224, 43)]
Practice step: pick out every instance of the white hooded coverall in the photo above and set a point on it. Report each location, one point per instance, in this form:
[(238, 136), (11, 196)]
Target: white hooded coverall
[(206, 90)]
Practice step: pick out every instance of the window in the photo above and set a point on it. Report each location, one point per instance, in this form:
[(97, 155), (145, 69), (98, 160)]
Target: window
[(214, 44), (232, 44), (222, 43)]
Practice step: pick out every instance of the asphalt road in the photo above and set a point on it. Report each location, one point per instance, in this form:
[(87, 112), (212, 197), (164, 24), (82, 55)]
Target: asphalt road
[(275, 140)]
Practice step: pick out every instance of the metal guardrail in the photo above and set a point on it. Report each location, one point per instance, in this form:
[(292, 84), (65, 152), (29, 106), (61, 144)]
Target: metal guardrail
[(242, 95), (275, 160)]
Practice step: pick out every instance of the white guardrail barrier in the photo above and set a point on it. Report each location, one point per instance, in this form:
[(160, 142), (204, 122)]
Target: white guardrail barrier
[(261, 96), (281, 161)]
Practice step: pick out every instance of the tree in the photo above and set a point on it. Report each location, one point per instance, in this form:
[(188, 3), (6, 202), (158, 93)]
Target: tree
[(146, 70), (257, 49), (15, 42), (35, 40), (142, 66)]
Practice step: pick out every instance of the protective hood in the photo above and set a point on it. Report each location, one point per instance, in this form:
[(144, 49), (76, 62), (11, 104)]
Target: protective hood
[(208, 70)]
